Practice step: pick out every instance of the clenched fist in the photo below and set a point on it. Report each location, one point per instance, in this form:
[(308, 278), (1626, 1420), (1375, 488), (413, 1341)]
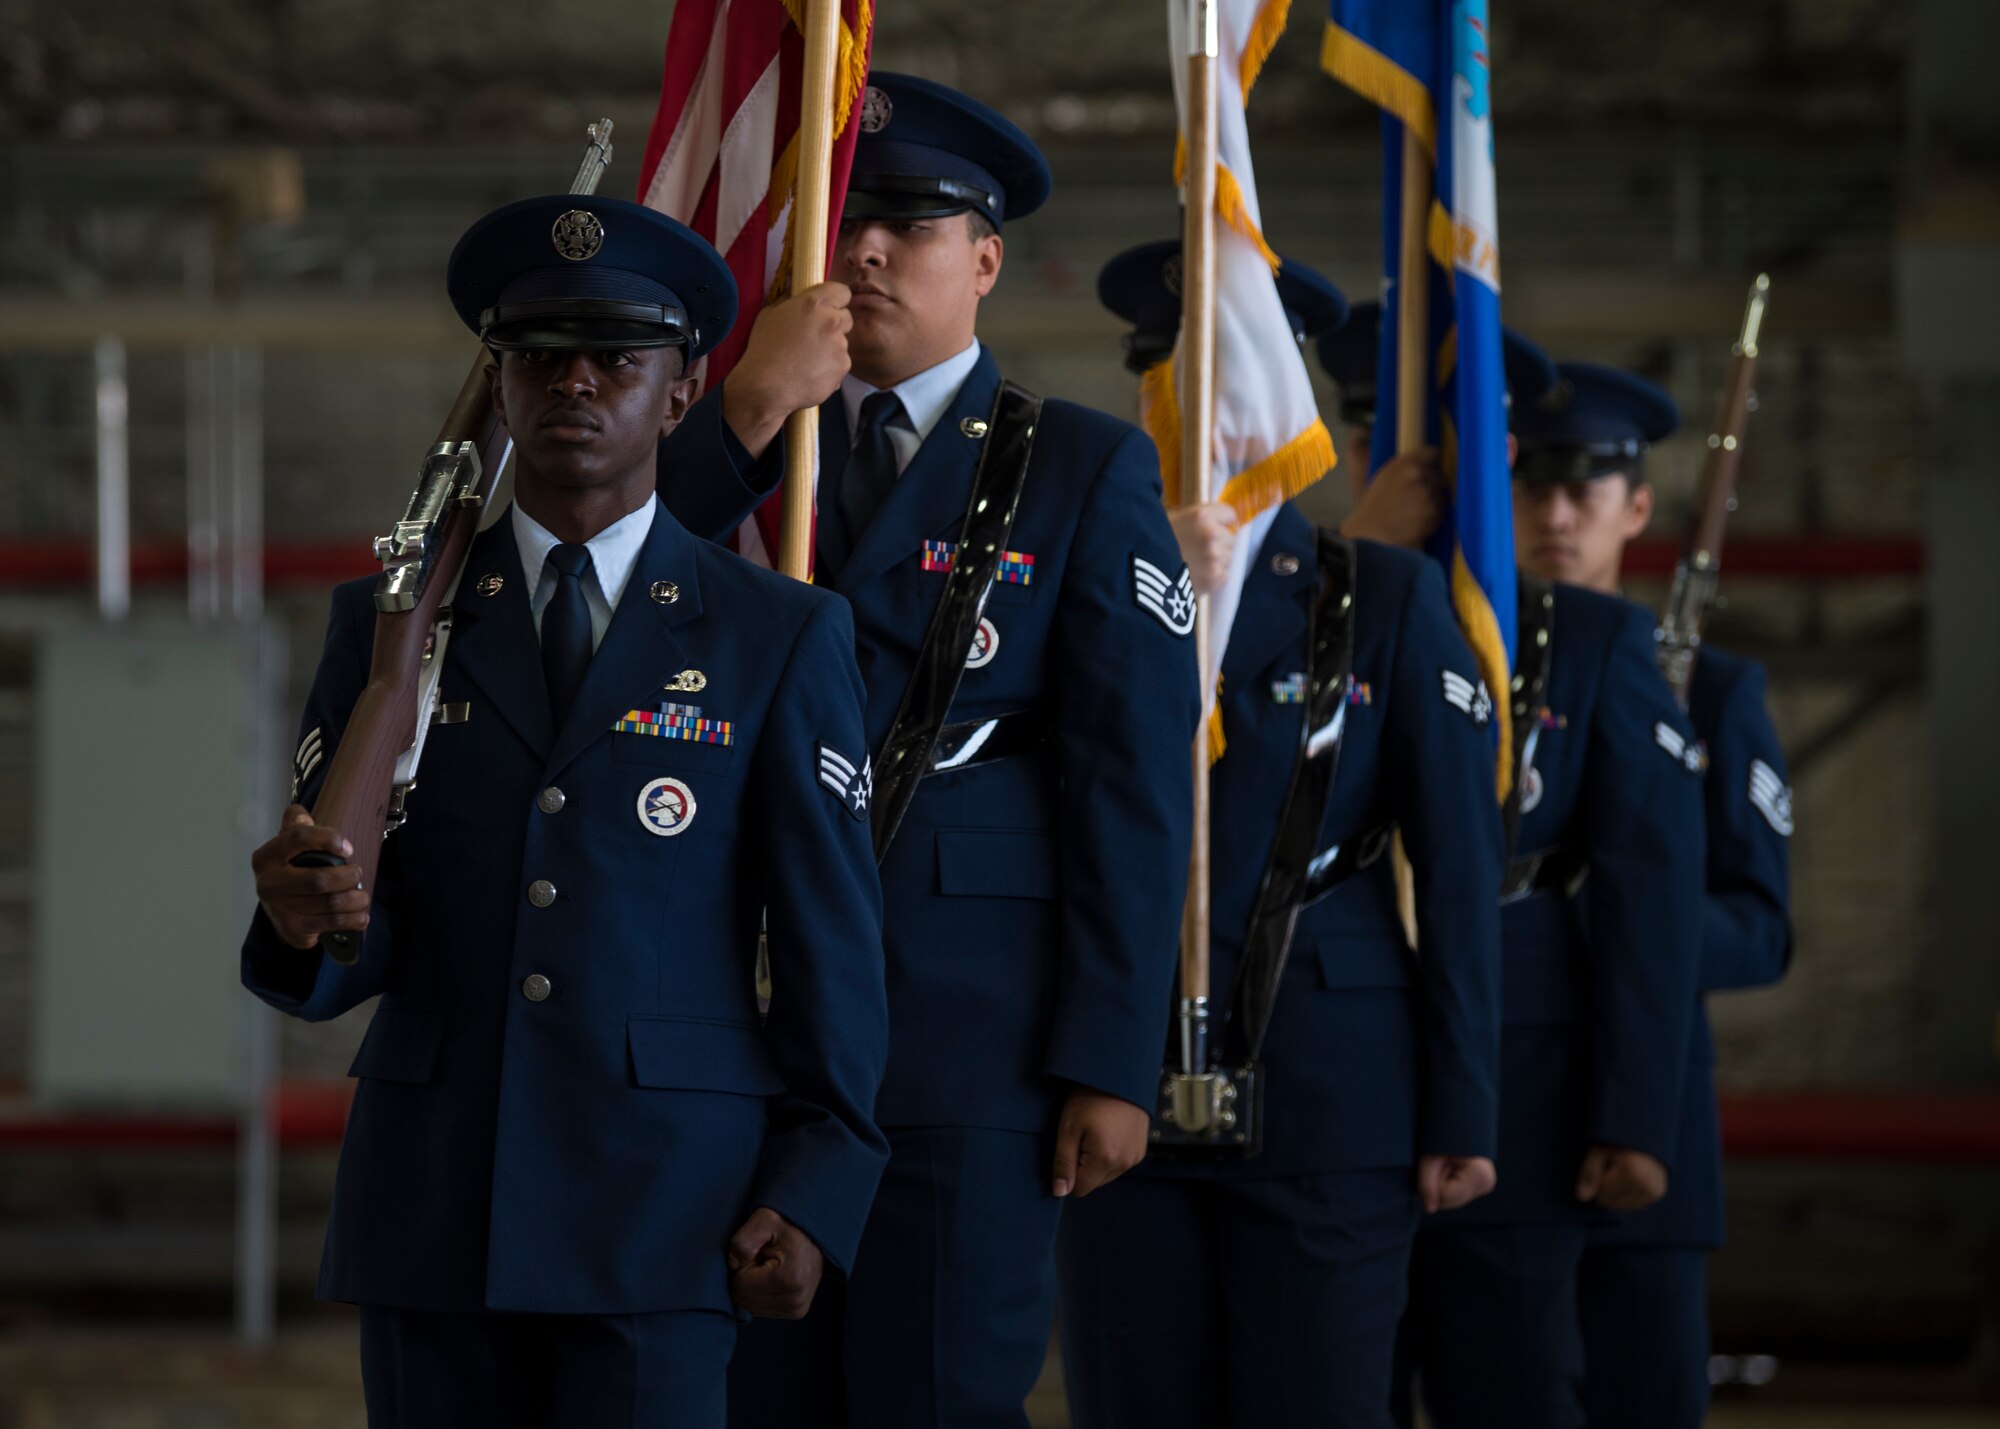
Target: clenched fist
[(1403, 504), (302, 903), (1619, 1178), (795, 358), (774, 1267), (1207, 537)]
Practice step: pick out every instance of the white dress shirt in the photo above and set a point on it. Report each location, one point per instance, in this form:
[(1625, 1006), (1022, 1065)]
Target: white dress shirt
[(926, 398), (613, 552)]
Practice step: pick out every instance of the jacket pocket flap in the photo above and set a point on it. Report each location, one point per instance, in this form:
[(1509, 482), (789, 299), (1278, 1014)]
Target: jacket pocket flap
[(1364, 960), (401, 1045), (694, 1056), (996, 863), (670, 753)]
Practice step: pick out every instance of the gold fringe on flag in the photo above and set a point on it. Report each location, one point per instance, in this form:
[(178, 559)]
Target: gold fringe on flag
[(1489, 653), (852, 73), (1229, 204), (1263, 38), (1382, 82), (1280, 476)]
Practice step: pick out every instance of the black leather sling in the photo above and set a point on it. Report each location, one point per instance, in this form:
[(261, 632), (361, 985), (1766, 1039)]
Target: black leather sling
[(1549, 869), (906, 755), (1536, 647), (1294, 871)]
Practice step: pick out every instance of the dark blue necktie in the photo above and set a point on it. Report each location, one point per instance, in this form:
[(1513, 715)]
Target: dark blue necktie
[(871, 467), (566, 629)]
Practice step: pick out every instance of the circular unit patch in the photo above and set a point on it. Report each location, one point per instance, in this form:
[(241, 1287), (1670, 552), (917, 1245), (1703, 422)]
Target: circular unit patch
[(985, 645), (666, 807)]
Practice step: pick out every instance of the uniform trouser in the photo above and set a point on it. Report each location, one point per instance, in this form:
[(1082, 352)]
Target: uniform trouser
[(1645, 1335), (945, 1322), (1253, 1304), (1494, 1325), (427, 1369)]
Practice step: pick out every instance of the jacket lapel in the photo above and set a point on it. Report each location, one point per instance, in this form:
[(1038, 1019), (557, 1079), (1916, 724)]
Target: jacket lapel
[(493, 640), (931, 494), (626, 671), (1273, 611)]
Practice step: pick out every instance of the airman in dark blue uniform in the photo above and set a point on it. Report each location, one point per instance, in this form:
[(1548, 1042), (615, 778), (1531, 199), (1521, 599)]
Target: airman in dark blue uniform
[(1642, 1296), (1601, 924), (1267, 1291), (1033, 890), (576, 1153)]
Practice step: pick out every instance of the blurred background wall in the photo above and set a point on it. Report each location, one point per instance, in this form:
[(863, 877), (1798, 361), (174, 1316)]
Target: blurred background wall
[(242, 211)]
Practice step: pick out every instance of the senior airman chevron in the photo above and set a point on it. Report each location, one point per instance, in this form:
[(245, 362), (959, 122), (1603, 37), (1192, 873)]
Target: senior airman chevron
[(1466, 696), (311, 751), (853, 787), (1691, 757)]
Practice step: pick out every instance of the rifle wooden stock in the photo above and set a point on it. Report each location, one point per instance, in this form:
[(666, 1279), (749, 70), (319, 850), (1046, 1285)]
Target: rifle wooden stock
[(359, 795), (362, 796)]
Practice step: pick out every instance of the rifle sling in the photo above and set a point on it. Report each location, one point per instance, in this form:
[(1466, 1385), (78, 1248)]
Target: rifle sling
[(1290, 876), (1537, 645), (989, 518)]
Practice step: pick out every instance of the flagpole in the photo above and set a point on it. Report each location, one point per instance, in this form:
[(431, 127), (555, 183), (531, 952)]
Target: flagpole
[(1413, 322), (810, 202), (1197, 399)]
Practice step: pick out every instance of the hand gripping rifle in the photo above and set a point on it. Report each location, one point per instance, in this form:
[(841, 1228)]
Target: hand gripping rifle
[(1695, 575), (375, 766)]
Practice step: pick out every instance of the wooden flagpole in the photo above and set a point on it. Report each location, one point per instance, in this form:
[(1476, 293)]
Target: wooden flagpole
[(810, 203), (1413, 323), (1197, 397)]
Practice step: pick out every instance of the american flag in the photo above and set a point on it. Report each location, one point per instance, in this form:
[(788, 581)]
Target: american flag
[(723, 154)]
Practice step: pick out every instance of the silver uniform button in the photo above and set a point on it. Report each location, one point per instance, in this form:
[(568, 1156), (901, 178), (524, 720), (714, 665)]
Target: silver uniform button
[(551, 800), (541, 893), (1285, 564), (536, 988)]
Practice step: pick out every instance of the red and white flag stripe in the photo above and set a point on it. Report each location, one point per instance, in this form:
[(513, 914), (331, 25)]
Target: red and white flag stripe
[(722, 156)]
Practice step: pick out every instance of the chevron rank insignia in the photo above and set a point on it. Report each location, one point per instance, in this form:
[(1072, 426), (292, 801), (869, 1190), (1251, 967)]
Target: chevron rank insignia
[(1771, 797), (311, 751), (1692, 757), (1467, 697), (1170, 600), (838, 776)]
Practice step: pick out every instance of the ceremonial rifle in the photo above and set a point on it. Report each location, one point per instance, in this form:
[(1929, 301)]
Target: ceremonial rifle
[(1692, 594), (375, 766)]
